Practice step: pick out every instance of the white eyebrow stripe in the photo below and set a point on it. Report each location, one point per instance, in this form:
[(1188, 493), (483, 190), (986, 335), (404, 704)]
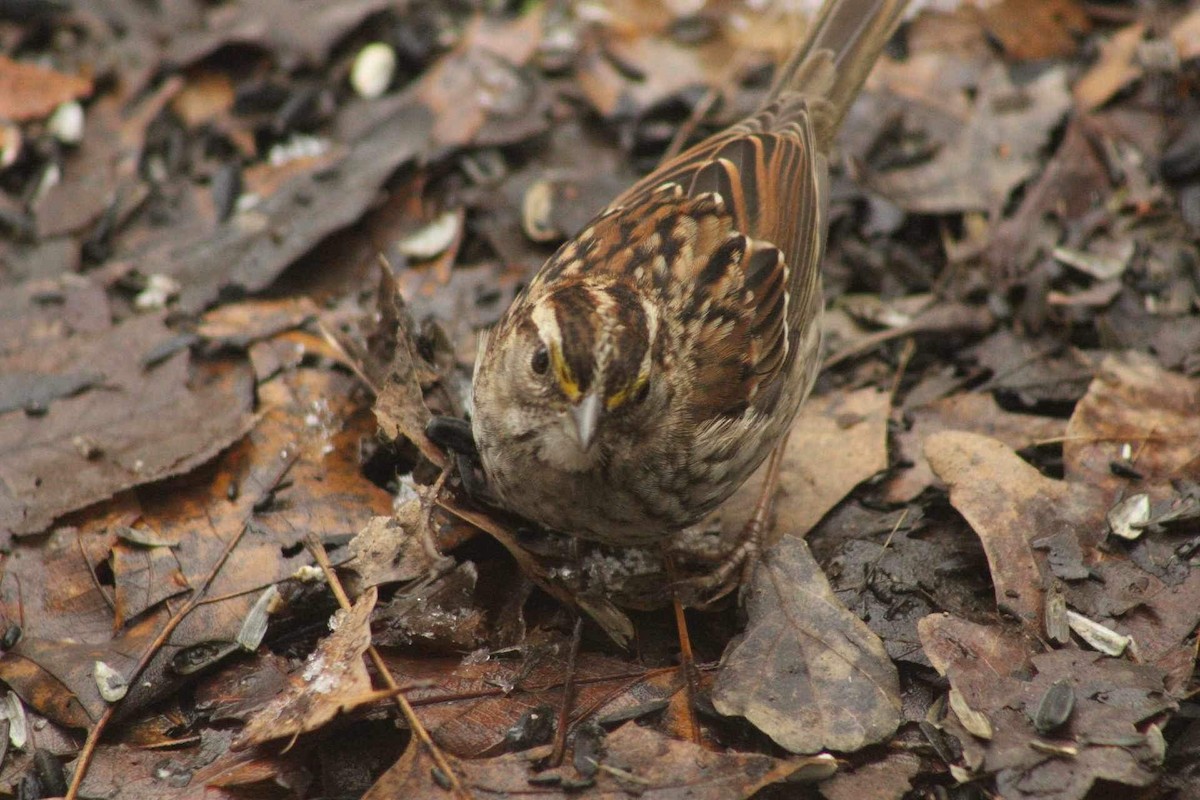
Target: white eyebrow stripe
[(546, 322), (605, 338)]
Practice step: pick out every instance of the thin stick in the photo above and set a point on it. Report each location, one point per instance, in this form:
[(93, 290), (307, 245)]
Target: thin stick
[(568, 698), (318, 550)]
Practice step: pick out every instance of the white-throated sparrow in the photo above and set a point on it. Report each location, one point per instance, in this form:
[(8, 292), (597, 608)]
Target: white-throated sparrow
[(658, 357)]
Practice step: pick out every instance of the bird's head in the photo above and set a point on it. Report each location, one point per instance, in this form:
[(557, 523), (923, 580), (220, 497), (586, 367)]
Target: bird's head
[(568, 372)]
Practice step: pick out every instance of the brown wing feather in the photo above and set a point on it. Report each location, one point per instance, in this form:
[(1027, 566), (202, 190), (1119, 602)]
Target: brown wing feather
[(771, 186)]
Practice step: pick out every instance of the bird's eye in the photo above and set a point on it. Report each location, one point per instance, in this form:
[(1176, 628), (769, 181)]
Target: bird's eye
[(541, 360)]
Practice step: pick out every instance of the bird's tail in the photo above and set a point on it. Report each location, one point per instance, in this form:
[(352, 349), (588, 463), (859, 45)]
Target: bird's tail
[(843, 42)]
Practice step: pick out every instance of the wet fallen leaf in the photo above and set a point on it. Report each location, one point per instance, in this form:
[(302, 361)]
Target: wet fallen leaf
[(143, 578), (1033, 370), (469, 705), (102, 173), (879, 565), (887, 779), (478, 94), (305, 432), (1008, 503), (439, 615), (1004, 677), (145, 425), (255, 245), (994, 153), (295, 31), (1064, 192), (1033, 528), (130, 773), (390, 549)]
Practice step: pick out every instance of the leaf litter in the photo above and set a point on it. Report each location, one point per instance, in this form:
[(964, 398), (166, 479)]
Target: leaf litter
[(985, 531)]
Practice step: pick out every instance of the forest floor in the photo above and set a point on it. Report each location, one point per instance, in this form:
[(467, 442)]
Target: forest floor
[(246, 251)]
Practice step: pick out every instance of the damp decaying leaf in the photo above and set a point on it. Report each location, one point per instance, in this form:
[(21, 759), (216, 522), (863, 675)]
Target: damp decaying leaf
[(439, 614), (393, 365), (994, 152), (479, 94), (1033, 370), (475, 707), (1009, 503), (290, 475), (140, 422), (1063, 193), (807, 672), (1042, 533), (296, 32), (879, 565), (633, 759), (390, 549), (637, 57), (1113, 732), (251, 249), (887, 779)]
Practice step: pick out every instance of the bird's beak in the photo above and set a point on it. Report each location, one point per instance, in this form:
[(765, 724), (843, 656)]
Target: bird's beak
[(586, 415)]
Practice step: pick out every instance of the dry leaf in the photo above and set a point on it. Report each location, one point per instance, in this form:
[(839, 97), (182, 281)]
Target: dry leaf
[(1137, 413), (333, 681), (1003, 676), (1116, 68), (807, 672), (28, 91), (636, 760), (1009, 504)]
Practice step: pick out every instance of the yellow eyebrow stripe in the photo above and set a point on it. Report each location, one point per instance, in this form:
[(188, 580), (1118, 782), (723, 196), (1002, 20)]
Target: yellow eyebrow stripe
[(564, 376), (620, 397)]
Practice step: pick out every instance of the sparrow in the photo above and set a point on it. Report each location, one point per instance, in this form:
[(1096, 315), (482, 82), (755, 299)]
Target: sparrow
[(661, 354)]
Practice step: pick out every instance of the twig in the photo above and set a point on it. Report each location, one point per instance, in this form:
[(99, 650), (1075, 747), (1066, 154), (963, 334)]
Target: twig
[(568, 698), (318, 551), (883, 550)]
